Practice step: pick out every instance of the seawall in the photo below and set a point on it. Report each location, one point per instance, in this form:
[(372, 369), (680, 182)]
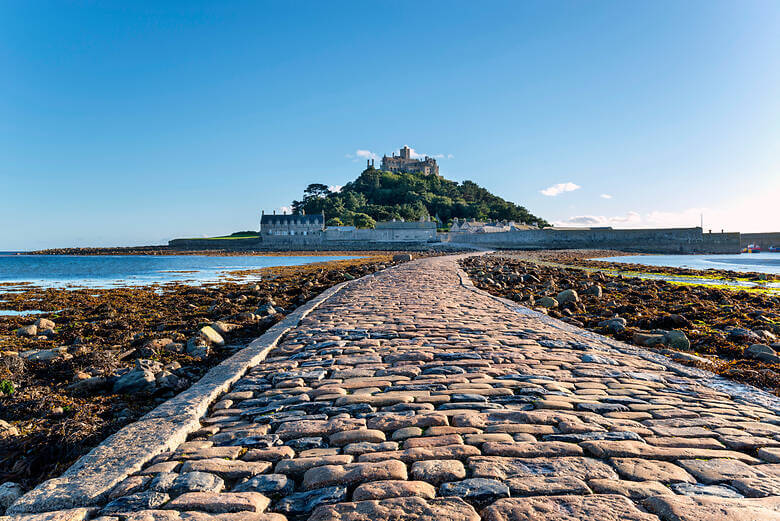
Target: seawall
[(660, 240), (765, 240)]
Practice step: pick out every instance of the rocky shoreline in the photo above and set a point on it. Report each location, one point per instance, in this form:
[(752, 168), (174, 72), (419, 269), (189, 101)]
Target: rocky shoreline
[(731, 332), (98, 359)]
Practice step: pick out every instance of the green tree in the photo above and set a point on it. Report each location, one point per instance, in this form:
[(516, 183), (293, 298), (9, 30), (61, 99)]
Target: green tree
[(362, 220), (334, 221)]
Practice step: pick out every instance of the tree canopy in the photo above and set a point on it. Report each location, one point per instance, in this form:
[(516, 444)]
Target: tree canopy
[(383, 196)]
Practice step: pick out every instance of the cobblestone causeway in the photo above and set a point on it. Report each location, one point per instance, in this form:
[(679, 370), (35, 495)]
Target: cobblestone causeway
[(409, 396)]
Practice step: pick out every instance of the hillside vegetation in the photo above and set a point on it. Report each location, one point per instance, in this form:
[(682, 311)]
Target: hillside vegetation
[(380, 196)]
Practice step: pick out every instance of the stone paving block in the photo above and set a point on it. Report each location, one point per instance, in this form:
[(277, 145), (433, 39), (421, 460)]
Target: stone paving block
[(646, 470), (566, 508), (682, 508), (500, 468), (220, 503), (719, 470), (546, 486), (390, 489), (438, 471), (226, 469), (398, 509), (353, 473), (635, 490)]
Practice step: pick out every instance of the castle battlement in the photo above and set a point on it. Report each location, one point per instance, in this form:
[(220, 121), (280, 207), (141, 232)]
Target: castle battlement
[(405, 163)]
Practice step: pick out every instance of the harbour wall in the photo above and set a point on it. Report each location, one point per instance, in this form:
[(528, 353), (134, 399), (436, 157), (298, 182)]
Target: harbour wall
[(765, 240), (660, 240)]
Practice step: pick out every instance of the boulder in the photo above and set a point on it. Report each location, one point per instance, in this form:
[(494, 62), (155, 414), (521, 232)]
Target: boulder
[(594, 291), (27, 331), (547, 302), (568, 295), (9, 492), (44, 323), (135, 381), (646, 339), (755, 350), (210, 336), (676, 339), (615, 325), (45, 355), (402, 257)]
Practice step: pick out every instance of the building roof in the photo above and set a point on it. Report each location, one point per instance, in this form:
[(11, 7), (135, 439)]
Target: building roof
[(316, 218)]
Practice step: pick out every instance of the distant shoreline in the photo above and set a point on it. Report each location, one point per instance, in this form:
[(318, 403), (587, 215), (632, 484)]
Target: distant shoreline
[(167, 250)]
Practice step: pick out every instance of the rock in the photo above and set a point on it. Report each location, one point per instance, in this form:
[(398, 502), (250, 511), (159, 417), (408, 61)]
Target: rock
[(198, 348), (398, 509), (6, 429), (402, 257), (566, 508), (566, 296), (89, 385), (479, 491), (547, 302), (646, 339), (677, 340), (9, 492), (210, 336), (741, 335), (266, 310), (304, 502), (45, 355), (135, 382), (44, 323), (615, 325), (502, 468), (223, 328), (756, 350), (27, 331), (594, 290)]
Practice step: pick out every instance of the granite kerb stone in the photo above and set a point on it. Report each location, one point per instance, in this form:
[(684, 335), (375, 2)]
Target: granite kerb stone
[(88, 481)]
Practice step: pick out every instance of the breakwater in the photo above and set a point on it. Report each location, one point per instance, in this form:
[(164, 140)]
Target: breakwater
[(660, 240)]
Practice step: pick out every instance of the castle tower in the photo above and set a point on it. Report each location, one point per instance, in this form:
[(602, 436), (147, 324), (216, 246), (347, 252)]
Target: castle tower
[(406, 152)]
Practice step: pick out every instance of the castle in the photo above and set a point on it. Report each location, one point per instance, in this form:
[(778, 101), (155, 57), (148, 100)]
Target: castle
[(405, 163)]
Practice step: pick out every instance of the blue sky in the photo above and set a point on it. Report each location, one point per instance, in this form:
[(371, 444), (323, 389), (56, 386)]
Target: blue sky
[(135, 122)]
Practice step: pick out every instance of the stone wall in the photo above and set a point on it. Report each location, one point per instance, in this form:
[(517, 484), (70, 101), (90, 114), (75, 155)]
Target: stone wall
[(765, 240), (662, 240)]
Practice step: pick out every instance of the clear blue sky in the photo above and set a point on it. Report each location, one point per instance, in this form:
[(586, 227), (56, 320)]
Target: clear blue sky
[(135, 122)]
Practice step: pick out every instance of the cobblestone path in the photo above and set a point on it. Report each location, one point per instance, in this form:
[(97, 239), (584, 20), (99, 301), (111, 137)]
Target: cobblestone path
[(409, 396)]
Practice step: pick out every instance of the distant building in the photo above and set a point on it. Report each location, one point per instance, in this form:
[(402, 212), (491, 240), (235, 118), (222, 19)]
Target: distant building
[(405, 163), (473, 226), (294, 224)]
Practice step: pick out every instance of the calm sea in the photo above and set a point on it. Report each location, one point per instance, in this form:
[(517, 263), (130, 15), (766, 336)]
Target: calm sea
[(103, 271), (764, 262)]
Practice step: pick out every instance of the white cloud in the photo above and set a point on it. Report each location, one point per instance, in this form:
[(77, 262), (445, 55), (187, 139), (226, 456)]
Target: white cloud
[(335, 188), (365, 154), (605, 196), (559, 189), (630, 218), (284, 209)]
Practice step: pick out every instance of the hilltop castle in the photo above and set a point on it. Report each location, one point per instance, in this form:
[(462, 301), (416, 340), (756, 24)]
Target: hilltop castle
[(405, 163)]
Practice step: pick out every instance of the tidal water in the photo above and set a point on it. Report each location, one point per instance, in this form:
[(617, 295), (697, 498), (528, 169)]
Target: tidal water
[(764, 262), (106, 271)]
